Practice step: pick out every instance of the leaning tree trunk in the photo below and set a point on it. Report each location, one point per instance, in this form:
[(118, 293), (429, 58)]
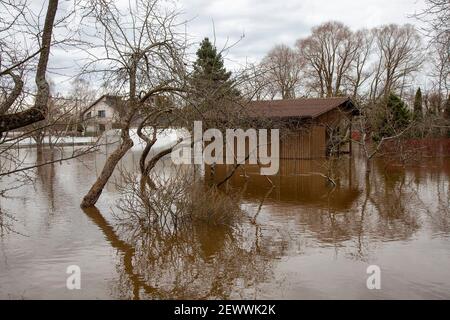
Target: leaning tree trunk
[(39, 111), (96, 190), (145, 174), (90, 199)]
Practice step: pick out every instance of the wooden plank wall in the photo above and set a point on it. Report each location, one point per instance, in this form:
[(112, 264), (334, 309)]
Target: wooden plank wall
[(306, 143)]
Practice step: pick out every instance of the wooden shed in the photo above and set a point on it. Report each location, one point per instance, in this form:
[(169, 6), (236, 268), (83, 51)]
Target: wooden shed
[(310, 127)]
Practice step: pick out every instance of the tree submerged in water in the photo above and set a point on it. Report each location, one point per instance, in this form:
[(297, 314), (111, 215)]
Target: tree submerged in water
[(394, 119)]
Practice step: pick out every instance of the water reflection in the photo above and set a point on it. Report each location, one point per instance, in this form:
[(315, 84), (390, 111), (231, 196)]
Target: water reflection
[(195, 262), (299, 181), (46, 174), (297, 235), (391, 203), (188, 241)]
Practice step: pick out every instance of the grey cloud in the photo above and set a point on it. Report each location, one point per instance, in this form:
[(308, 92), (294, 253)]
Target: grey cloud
[(265, 23)]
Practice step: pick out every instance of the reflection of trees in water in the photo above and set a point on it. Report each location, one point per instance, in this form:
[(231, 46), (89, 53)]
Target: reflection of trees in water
[(361, 211), (46, 174), (199, 259), (440, 217), (432, 190), (392, 197), (194, 258), (198, 262), (399, 201), (395, 204)]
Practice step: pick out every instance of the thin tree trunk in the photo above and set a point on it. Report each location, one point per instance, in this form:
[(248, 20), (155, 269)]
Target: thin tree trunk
[(96, 190)]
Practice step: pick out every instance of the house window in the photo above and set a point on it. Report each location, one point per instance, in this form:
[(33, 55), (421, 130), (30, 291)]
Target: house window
[(101, 113)]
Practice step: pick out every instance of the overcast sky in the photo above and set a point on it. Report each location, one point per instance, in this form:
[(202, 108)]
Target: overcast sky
[(264, 23)]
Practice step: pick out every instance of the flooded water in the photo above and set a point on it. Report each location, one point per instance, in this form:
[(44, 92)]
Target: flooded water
[(301, 237)]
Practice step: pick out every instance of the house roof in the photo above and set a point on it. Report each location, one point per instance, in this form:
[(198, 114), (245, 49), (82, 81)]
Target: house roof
[(115, 102), (302, 108)]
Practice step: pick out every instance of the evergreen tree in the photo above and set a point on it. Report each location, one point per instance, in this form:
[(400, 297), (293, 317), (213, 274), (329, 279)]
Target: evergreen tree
[(395, 118), (209, 65), (210, 78), (418, 114)]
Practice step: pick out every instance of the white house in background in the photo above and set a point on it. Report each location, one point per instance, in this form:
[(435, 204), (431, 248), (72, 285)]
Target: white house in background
[(103, 114)]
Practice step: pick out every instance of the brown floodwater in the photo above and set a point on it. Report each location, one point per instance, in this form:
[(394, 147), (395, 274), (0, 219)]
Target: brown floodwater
[(301, 236)]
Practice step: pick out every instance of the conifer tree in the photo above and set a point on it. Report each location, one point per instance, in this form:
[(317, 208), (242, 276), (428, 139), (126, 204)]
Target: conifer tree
[(418, 114), (395, 118), (211, 82), (209, 66)]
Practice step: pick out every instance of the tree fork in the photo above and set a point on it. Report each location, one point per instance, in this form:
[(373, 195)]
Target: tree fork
[(39, 111)]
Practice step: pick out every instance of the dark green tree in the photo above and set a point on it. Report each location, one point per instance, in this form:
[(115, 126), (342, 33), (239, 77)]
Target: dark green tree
[(209, 66), (418, 114), (395, 118), (211, 82)]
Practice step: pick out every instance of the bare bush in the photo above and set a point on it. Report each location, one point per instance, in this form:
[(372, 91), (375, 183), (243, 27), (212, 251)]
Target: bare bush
[(175, 201)]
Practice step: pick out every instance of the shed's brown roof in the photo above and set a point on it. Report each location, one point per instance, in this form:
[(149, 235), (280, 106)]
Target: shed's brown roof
[(303, 107)]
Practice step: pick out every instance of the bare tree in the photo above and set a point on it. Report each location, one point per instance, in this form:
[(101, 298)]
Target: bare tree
[(141, 57), (436, 16), (328, 53), (281, 69), (10, 121), (82, 95), (359, 73), (399, 55), (257, 84)]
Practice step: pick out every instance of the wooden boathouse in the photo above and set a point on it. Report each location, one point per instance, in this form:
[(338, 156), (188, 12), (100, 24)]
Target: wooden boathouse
[(310, 127)]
